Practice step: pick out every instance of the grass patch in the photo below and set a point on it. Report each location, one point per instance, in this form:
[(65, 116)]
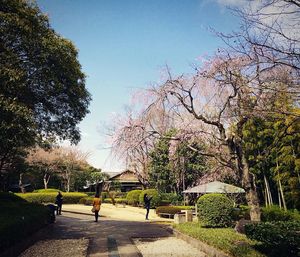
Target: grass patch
[(225, 239)]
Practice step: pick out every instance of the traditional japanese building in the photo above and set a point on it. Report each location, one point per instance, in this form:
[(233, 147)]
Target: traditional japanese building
[(125, 181)]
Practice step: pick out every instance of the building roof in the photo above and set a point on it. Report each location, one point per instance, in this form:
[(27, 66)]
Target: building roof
[(125, 176), (215, 187)]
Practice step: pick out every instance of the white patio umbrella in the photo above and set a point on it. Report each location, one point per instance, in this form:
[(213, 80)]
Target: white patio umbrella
[(215, 187)]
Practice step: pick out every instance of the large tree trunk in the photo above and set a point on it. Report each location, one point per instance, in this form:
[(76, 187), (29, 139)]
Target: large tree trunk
[(246, 177), (21, 183), (251, 192), (46, 180)]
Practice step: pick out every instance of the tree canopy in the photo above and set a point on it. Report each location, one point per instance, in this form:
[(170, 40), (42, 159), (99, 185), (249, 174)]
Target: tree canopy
[(41, 79)]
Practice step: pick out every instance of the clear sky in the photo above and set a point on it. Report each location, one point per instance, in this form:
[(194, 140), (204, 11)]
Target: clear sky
[(123, 45)]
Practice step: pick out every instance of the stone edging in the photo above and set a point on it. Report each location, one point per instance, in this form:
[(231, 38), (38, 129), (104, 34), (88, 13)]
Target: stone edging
[(209, 250)]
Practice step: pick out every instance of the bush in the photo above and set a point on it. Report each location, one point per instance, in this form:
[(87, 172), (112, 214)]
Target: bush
[(49, 190), (104, 195), (10, 197), (19, 219), (171, 198), (156, 199), (50, 197), (107, 200), (90, 194), (243, 211), (133, 197), (185, 207), (121, 200), (86, 200), (279, 238), (215, 210), (168, 209), (274, 213)]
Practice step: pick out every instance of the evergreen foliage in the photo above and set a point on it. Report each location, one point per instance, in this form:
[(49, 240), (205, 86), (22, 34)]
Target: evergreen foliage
[(280, 238), (273, 151), (161, 175), (42, 93), (214, 210), (133, 197)]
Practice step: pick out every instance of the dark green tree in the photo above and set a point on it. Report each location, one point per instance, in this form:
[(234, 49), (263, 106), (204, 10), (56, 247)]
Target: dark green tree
[(161, 175), (272, 147), (42, 93), (191, 164)]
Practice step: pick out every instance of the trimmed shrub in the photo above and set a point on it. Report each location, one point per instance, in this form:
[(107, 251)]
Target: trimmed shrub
[(90, 194), (185, 207), (241, 212), (279, 238), (49, 190), (133, 197), (156, 198), (117, 200), (19, 219), (215, 210), (10, 197), (50, 197), (86, 200), (121, 200), (274, 213), (168, 209), (107, 200)]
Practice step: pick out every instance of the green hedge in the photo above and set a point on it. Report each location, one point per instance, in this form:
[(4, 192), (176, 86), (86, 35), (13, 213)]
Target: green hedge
[(274, 213), (281, 238), (121, 200), (168, 209), (107, 200), (49, 190), (86, 200), (215, 210), (243, 211), (133, 197), (19, 219), (117, 200), (50, 197), (156, 198)]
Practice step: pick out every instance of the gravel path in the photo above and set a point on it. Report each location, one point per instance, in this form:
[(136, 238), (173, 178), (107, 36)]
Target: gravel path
[(59, 248), (166, 247)]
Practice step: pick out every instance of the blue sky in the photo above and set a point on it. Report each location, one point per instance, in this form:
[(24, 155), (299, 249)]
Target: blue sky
[(123, 45)]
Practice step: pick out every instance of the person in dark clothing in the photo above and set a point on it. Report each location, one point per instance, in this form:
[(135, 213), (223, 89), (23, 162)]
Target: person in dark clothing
[(59, 201), (147, 201), (52, 209)]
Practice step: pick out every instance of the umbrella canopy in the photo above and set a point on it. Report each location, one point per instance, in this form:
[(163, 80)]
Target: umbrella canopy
[(215, 187)]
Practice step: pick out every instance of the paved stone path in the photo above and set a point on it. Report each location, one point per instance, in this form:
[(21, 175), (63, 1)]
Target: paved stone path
[(112, 235)]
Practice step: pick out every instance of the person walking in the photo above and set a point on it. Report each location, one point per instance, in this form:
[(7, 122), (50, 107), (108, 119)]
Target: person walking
[(59, 201), (147, 201), (96, 206)]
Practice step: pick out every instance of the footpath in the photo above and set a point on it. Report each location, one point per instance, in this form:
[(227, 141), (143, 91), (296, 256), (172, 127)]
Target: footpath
[(111, 236), (116, 212), (118, 233)]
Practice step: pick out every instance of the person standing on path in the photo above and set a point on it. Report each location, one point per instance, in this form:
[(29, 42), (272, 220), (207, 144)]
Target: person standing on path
[(147, 201), (59, 201), (96, 206)]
